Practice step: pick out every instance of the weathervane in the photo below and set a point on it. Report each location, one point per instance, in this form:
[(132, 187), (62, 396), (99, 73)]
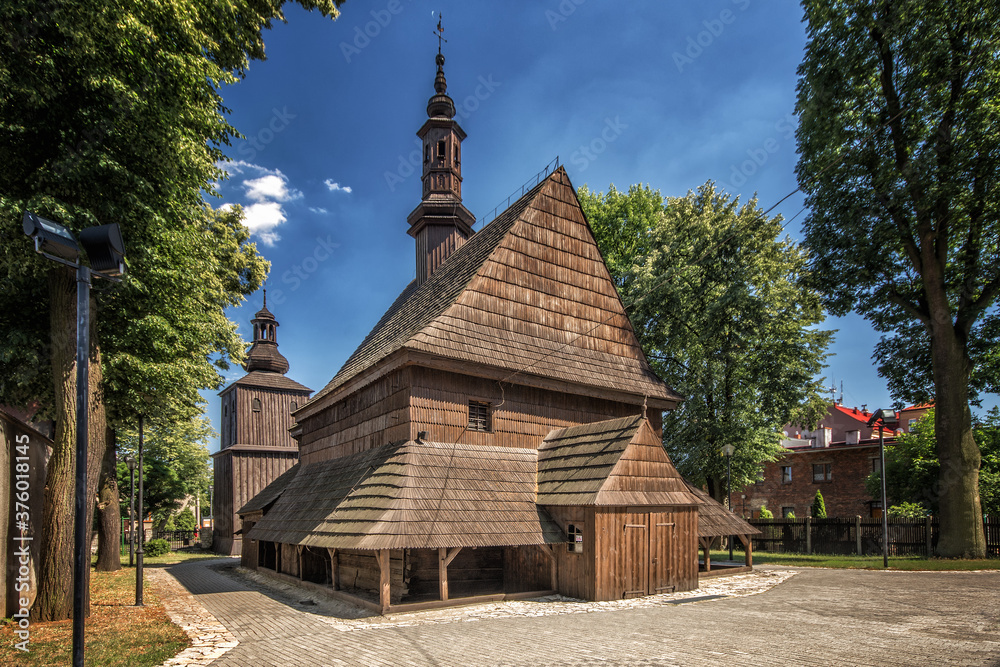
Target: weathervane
[(440, 33)]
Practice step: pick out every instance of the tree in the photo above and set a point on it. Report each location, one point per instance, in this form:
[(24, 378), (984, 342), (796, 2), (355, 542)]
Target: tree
[(818, 506), (721, 308), (175, 464), (913, 468), (185, 520), (112, 113), (899, 162)]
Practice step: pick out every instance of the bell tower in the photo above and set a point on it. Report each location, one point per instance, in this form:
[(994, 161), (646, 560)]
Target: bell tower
[(440, 224)]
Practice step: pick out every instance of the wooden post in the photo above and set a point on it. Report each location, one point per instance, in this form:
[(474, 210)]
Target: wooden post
[(747, 549), (298, 553), (857, 531), (706, 545), (927, 535), (445, 556), (809, 537), (382, 555), (334, 569)]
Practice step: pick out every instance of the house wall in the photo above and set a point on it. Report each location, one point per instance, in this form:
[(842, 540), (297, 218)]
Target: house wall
[(844, 495), (575, 569), (374, 415), (267, 427), (239, 475)]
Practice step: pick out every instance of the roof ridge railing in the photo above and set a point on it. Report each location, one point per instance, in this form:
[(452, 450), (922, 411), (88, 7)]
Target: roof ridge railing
[(517, 194)]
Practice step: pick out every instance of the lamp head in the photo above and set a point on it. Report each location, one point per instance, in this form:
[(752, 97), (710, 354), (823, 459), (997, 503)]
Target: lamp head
[(886, 416), (130, 462), (50, 238), (728, 450), (105, 248)]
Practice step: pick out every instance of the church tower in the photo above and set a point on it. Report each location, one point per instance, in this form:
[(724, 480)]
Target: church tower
[(255, 445), (440, 223)]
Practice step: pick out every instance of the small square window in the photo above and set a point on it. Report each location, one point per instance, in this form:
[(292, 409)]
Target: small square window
[(787, 512), (479, 416), (294, 406), (822, 472), (574, 539), (442, 150), (786, 474)]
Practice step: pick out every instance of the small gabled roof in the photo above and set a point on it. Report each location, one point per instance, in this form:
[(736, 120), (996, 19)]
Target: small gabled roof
[(270, 493), (714, 520), (268, 380), (529, 295), (614, 462), (413, 495)]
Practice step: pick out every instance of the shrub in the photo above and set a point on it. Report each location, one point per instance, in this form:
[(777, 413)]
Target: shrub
[(156, 547), (818, 506), (907, 511), (765, 513), (790, 515), (185, 520)]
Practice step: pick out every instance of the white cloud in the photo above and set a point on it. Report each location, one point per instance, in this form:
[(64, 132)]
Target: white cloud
[(262, 218), (321, 211), (337, 187), (272, 186)]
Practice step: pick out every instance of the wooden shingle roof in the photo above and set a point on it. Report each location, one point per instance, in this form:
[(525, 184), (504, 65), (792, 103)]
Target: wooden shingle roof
[(528, 295), (413, 495), (268, 380), (714, 520), (614, 462)]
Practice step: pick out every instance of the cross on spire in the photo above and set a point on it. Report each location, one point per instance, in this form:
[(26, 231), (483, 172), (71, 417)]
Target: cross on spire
[(440, 33)]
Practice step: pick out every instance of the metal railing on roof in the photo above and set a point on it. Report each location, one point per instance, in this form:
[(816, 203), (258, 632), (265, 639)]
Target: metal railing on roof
[(517, 194)]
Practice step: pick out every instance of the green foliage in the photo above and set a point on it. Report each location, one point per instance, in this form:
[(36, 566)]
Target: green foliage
[(156, 547), (818, 506), (185, 520), (723, 312), (175, 461), (908, 511), (169, 525), (765, 513), (790, 515), (913, 469)]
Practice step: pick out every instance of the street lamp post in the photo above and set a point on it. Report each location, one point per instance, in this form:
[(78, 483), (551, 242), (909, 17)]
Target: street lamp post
[(142, 529), (104, 248), (130, 462), (729, 450), (211, 514), (885, 418)]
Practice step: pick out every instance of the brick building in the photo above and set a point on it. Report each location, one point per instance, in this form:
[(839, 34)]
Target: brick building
[(835, 458)]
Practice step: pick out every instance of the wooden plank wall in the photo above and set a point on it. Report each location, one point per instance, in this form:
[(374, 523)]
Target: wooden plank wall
[(359, 573), (473, 572), (249, 554), (239, 476), (575, 570), (521, 416), (269, 427), (288, 560), (527, 569), (370, 417)]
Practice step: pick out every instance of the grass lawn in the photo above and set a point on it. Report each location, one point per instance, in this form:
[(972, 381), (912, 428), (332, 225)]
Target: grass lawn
[(862, 562), (117, 633)]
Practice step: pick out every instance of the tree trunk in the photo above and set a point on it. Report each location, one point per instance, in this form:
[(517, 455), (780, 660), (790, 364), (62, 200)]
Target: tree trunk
[(109, 553), (55, 581), (960, 512), (55, 572)]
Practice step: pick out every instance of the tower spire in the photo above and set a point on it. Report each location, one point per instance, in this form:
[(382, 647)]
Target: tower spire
[(440, 224), (263, 354)]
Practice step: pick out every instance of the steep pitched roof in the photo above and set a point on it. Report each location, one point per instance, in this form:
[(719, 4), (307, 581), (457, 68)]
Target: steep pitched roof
[(413, 495), (529, 294), (614, 462), (714, 520), (268, 380)]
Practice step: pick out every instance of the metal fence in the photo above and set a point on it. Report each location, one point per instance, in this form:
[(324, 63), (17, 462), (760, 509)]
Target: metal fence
[(178, 539), (841, 536)]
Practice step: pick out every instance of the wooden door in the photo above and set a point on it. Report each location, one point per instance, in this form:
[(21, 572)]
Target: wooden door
[(662, 568), (635, 552)]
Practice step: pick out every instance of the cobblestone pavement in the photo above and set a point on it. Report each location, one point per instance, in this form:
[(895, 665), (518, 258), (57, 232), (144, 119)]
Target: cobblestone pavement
[(817, 617)]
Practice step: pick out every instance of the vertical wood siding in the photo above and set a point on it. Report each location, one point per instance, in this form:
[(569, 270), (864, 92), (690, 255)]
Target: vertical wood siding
[(239, 476)]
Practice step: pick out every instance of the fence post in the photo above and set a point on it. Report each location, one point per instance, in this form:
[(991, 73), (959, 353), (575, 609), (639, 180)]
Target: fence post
[(927, 535), (809, 541), (857, 531)]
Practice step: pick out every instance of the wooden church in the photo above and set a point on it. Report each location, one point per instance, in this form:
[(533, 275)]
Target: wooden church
[(497, 434), (255, 444)]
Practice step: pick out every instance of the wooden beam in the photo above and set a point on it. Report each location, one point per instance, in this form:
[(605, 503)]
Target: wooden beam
[(334, 569), (747, 549), (298, 555), (445, 556), (382, 555), (706, 545)]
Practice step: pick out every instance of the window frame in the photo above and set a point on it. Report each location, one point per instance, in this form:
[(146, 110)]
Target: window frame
[(786, 479), (477, 423), (825, 472), (574, 539)]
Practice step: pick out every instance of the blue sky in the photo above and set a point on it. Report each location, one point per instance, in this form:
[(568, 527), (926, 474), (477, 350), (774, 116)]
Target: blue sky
[(669, 94)]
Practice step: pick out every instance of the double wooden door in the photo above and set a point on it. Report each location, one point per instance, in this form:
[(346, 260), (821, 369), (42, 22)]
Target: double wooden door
[(649, 553)]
